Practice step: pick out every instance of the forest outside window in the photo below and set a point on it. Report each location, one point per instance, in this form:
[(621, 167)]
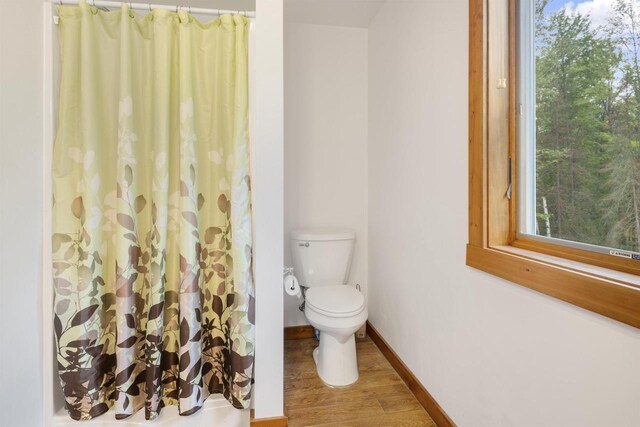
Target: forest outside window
[(554, 149), (579, 117)]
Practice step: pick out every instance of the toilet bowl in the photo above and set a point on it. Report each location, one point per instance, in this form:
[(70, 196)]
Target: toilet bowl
[(322, 260), (337, 312)]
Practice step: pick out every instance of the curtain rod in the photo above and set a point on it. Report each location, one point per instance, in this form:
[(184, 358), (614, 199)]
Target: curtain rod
[(151, 6)]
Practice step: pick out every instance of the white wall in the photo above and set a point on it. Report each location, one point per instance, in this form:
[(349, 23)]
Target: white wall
[(267, 188), (21, 187), (492, 353), (326, 138)]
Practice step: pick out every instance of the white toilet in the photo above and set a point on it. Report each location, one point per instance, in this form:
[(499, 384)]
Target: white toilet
[(321, 261)]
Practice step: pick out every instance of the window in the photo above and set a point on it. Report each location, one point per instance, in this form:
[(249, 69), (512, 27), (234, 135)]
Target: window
[(579, 121), (554, 151)]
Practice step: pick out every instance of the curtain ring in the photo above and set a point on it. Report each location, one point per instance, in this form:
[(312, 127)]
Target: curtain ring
[(60, 1), (149, 5), (189, 9)]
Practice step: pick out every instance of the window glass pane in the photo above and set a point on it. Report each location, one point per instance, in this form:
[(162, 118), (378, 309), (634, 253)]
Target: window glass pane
[(580, 130)]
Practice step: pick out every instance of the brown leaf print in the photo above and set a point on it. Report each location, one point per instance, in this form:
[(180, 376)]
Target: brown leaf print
[(140, 203), (222, 203), (156, 310), (129, 342), (128, 175), (77, 207), (191, 218), (210, 234), (126, 221), (130, 320), (83, 315), (57, 240), (200, 201)]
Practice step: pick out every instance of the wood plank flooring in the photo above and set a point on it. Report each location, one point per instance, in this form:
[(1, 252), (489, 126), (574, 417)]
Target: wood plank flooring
[(379, 398)]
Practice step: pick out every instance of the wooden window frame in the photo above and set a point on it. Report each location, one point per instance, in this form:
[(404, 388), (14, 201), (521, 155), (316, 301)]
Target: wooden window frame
[(597, 282)]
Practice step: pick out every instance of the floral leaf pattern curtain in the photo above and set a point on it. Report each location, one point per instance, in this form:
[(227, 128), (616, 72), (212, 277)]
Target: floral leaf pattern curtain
[(151, 236)]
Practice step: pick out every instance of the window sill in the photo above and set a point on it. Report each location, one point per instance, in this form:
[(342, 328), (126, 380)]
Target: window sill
[(607, 292)]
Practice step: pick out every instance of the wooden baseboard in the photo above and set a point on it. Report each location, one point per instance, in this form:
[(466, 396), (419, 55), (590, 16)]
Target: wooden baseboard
[(424, 397), (299, 332), (269, 422)]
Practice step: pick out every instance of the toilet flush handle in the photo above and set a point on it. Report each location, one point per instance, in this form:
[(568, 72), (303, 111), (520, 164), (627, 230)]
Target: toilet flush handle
[(306, 244)]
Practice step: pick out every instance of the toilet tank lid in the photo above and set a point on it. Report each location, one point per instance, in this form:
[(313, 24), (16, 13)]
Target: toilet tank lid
[(323, 234)]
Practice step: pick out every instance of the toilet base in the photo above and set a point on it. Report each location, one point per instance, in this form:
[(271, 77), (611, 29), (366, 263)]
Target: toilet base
[(336, 360)]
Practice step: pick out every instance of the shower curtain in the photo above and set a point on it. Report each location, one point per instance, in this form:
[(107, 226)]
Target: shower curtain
[(151, 240)]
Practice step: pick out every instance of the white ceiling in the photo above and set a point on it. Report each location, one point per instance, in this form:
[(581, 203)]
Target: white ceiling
[(344, 13)]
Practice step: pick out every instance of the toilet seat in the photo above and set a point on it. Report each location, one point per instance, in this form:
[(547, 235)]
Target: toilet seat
[(335, 300)]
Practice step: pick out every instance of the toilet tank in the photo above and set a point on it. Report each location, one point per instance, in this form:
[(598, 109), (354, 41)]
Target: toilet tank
[(322, 256)]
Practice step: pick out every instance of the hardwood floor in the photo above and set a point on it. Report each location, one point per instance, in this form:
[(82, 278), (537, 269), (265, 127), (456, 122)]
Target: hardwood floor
[(379, 398)]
